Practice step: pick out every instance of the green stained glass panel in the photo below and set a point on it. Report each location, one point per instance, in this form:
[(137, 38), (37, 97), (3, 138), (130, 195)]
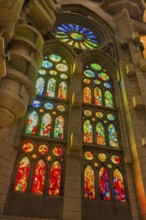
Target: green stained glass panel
[(103, 76), (40, 83), (88, 132), (31, 123), (109, 99), (113, 138), (51, 88), (111, 117), (59, 127), (55, 58), (100, 134), (46, 125), (95, 66), (97, 96)]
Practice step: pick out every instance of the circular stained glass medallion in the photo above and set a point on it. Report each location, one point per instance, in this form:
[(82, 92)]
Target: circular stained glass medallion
[(107, 85), (115, 159), (55, 58), (48, 105), (102, 157), (99, 114), (63, 76), (87, 81), (89, 73), (36, 104), (95, 66), (61, 67), (111, 117), (89, 155), (103, 76), (47, 64), (77, 36), (87, 113), (43, 149), (61, 108), (42, 72), (27, 147), (97, 82), (57, 151), (53, 72)]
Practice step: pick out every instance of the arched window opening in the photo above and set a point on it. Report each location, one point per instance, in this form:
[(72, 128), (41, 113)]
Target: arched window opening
[(51, 87), (104, 184), (97, 96), (31, 123), (100, 134), (119, 188), (55, 179), (108, 99), (113, 138), (87, 95), (46, 125), (40, 83), (39, 177), (89, 183), (88, 132), (62, 92), (22, 175), (59, 127)]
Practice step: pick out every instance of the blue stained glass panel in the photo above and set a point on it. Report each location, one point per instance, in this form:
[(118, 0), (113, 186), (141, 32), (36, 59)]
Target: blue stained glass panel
[(40, 86), (36, 104), (47, 64)]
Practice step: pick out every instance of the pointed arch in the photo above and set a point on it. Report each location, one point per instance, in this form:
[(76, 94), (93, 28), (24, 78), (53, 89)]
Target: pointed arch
[(40, 83), (55, 179), (39, 177), (59, 127), (88, 132), (119, 188), (87, 95), (22, 175), (104, 184), (46, 125), (89, 183), (51, 87), (108, 99), (31, 123), (97, 96), (100, 134), (113, 137), (62, 91)]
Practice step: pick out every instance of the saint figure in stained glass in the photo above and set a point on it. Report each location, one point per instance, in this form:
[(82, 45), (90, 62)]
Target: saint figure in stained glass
[(31, 123), (40, 86), (46, 125), (104, 184), (39, 177), (119, 189), (100, 133), (97, 96), (59, 127), (89, 183), (22, 175), (55, 179), (109, 99), (88, 132)]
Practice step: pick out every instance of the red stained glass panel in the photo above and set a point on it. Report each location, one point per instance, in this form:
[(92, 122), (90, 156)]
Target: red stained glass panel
[(119, 189), (104, 184), (55, 179)]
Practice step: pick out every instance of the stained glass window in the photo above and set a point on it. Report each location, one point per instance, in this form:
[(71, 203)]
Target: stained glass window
[(40, 86), (108, 99), (97, 96), (88, 132), (59, 127), (100, 134), (87, 95), (104, 184), (51, 88), (22, 175), (89, 183), (46, 125), (55, 179), (31, 123), (77, 36), (119, 189), (113, 139), (39, 177), (62, 91)]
